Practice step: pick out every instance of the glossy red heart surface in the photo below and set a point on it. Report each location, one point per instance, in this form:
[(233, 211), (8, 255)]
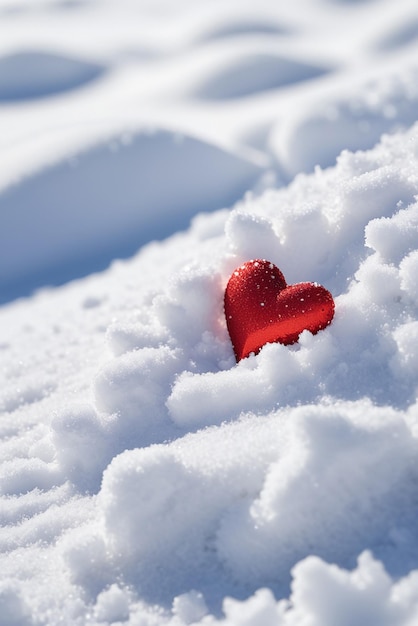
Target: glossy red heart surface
[(261, 308)]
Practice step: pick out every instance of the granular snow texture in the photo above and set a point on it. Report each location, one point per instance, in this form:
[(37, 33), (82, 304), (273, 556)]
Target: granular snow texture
[(146, 478)]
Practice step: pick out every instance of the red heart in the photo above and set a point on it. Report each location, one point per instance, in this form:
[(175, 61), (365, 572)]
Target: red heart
[(260, 308)]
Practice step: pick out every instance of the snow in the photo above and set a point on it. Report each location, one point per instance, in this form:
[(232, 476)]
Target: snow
[(148, 149), (86, 231)]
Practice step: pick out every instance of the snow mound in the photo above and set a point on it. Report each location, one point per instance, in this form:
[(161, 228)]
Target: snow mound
[(246, 74), (194, 503), (354, 120), (403, 34), (323, 595), (36, 74), (247, 26), (102, 203)]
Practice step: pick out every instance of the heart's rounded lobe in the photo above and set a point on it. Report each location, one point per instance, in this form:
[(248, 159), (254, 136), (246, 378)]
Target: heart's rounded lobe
[(260, 308)]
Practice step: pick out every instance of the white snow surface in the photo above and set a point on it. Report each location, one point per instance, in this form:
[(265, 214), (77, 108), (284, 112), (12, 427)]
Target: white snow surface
[(147, 149)]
